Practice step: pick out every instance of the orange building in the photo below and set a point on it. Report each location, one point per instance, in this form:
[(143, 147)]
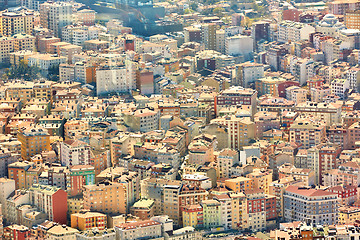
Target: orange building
[(17, 172), (88, 220), (34, 140), (239, 184)]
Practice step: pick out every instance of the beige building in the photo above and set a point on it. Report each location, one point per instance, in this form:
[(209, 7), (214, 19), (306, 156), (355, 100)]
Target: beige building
[(16, 22), (327, 112), (24, 41), (240, 130), (23, 55), (140, 229), (6, 47), (296, 94), (45, 61), (352, 19), (113, 197), (307, 133)]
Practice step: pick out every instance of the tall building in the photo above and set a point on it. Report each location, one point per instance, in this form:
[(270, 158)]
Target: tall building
[(236, 96), (78, 177), (307, 133), (120, 79), (34, 140), (16, 22), (352, 19), (55, 16), (323, 157), (314, 206), (240, 130), (209, 35), (74, 152), (339, 7), (246, 73), (50, 200), (293, 31), (113, 196), (17, 171), (7, 187)]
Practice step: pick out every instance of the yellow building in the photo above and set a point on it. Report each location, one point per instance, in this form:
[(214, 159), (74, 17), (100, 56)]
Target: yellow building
[(240, 130), (23, 55), (18, 89), (352, 19), (42, 89), (16, 22), (238, 211), (34, 140), (239, 184), (75, 205), (261, 179), (24, 41), (88, 220), (192, 216), (348, 215), (112, 197), (6, 47)]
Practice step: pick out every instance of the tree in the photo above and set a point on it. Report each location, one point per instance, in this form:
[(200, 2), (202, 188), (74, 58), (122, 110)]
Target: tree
[(234, 6), (219, 11), (188, 11), (53, 73), (194, 6), (246, 22), (23, 71)]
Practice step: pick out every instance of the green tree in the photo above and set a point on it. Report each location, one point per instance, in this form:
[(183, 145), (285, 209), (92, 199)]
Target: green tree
[(23, 71), (188, 10), (219, 11), (53, 73), (234, 6), (194, 6)]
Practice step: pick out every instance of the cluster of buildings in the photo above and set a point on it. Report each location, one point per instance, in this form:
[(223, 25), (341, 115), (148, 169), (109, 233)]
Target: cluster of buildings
[(228, 129)]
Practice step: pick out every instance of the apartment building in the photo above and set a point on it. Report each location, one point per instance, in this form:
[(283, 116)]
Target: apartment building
[(236, 96), (115, 80), (327, 112), (141, 229), (240, 130), (113, 196), (74, 152), (50, 200), (293, 31), (246, 73), (307, 133), (15, 22), (88, 220), (34, 140), (55, 16), (310, 205)]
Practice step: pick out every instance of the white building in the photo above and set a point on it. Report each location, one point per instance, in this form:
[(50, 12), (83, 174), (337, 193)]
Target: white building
[(239, 45), (45, 61), (330, 25), (296, 94), (7, 187), (220, 41), (293, 31), (246, 73), (74, 152), (353, 76), (115, 80), (140, 229), (55, 16), (339, 87)]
